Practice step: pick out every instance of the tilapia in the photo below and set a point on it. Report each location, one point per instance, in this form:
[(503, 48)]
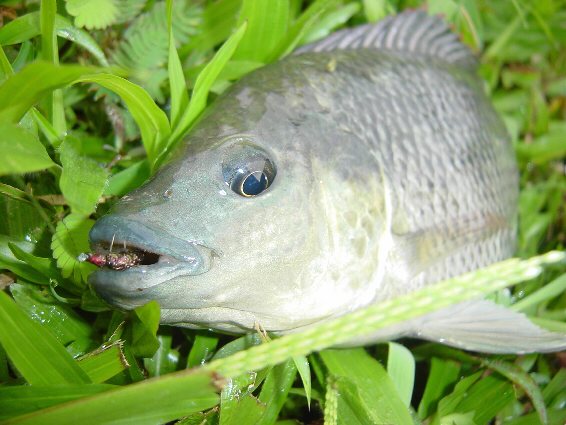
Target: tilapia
[(360, 168)]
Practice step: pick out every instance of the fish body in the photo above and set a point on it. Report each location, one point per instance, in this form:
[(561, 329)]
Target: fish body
[(356, 170)]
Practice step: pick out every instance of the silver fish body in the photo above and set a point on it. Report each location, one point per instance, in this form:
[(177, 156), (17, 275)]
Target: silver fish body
[(387, 169)]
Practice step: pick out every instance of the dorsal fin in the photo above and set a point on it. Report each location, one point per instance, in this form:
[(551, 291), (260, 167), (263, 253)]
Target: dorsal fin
[(410, 31)]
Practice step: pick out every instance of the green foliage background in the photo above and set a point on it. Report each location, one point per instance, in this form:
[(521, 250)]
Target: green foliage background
[(94, 94)]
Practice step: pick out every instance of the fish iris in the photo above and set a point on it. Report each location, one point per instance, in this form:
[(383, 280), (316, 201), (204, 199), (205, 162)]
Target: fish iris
[(254, 184)]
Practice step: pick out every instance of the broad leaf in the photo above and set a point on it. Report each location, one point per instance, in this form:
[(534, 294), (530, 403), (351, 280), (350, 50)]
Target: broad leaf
[(26, 27), (61, 320), (144, 329), (22, 152), (39, 79), (82, 180)]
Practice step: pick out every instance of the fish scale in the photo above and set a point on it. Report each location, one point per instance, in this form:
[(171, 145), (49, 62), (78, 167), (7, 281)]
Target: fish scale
[(379, 166), (412, 174)]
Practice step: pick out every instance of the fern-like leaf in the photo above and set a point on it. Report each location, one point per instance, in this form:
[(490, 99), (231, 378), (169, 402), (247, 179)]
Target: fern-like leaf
[(69, 241), (128, 10), (144, 47), (93, 14)]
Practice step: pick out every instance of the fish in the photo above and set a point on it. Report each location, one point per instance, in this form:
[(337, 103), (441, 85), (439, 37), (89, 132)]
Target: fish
[(360, 168)]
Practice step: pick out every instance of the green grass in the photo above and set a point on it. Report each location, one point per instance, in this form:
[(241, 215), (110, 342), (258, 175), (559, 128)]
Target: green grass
[(82, 85)]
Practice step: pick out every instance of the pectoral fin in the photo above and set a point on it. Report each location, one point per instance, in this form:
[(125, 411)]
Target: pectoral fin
[(475, 326), (487, 327)]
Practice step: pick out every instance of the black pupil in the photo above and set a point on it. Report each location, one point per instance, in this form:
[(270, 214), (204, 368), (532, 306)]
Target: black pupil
[(254, 184)]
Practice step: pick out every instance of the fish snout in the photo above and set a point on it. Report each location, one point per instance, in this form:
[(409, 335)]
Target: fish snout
[(135, 257)]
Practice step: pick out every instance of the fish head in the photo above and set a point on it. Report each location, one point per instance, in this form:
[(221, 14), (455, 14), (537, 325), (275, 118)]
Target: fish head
[(245, 227)]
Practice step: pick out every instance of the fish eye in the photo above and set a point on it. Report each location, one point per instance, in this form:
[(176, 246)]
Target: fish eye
[(249, 184), (247, 170)]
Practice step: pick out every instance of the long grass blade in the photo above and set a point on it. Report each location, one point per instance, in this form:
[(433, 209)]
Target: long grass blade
[(36, 353)]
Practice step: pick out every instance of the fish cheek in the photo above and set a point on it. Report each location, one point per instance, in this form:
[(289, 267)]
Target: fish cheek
[(266, 240)]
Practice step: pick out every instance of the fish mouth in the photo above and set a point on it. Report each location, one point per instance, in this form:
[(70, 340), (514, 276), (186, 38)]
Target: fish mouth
[(135, 258)]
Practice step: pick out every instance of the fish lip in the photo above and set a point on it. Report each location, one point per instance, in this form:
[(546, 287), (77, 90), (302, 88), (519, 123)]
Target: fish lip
[(176, 257), (119, 231)]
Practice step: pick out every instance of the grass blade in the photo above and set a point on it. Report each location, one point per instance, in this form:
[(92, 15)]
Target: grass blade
[(555, 387), (39, 78), (237, 408), (493, 51), (448, 405), (203, 347), (377, 9), (301, 26), (165, 360), (268, 21), (150, 402), (65, 29), (145, 322), (274, 390), (202, 87), (401, 369), (329, 22), (302, 365), (19, 400), (104, 363), (208, 76), (5, 65), (218, 20), (547, 292), (443, 374), (50, 53), (152, 121), (177, 84), (45, 127), (127, 180), (522, 379), (35, 352), (20, 29), (374, 389), (492, 393)]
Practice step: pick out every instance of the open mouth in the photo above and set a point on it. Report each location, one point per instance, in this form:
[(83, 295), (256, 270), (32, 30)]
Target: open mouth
[(120, 244), (135, 259), (118, 255)]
